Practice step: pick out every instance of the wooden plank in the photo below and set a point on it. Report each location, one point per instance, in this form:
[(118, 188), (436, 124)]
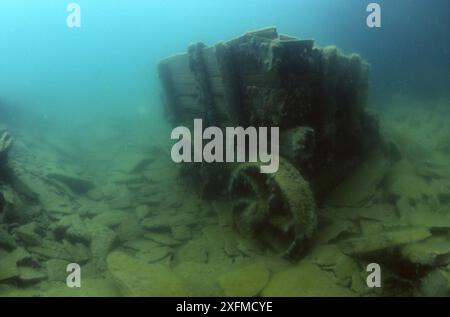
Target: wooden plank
[(184, 79), (170, 100), (297, 45), (186, 89), (285, 37), (217, 86), (192, 113), (178, 64), (261, 79), (230, 82), (270, 33), (188, 102), (210, 60)]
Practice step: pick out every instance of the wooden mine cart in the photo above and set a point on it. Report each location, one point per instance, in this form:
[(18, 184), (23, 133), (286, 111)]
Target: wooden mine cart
[(316, 96)]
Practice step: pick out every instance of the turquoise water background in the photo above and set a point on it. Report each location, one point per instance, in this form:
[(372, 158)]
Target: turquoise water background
[(108, 66)]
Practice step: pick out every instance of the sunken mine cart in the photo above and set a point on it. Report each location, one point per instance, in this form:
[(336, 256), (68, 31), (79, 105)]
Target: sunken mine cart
[(316, 96)]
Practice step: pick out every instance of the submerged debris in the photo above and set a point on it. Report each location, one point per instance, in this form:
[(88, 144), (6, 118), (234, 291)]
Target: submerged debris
[(316, 96), (76, 184), (6, 142)]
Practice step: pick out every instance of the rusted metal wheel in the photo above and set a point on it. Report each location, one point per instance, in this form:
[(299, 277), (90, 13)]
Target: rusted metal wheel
[(277, 209)]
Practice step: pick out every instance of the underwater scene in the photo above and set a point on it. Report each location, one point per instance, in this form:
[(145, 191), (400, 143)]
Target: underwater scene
[(224, 148)]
